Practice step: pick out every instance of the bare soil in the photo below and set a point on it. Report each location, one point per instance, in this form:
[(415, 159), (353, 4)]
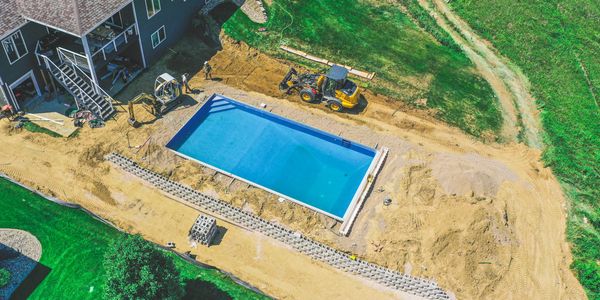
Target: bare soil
[(483, 220)]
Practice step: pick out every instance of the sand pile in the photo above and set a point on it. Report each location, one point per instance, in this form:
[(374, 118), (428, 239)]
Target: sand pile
[(470, 174), (429, 232)]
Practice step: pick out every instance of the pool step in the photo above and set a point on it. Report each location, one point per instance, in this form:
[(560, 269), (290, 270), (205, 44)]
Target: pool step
[(221, 105), (222, 108)]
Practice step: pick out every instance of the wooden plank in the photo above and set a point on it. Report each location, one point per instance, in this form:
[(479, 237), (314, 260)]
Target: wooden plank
[(362, 74)]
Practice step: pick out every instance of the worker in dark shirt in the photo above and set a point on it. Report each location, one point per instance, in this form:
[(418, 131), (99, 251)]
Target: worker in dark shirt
[(207, 71)]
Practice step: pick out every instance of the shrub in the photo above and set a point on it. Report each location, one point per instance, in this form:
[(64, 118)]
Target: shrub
[(4, 277), (136, 269)]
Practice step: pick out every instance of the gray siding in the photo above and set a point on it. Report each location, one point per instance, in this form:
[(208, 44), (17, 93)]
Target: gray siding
[(175, 15), (32, 32)]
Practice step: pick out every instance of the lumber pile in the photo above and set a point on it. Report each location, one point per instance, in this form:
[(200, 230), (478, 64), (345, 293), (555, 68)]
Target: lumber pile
[(351, 70)]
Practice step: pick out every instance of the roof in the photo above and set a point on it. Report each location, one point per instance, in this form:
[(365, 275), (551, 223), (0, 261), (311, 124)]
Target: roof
[(337, 73), (77, 17), (11, 19)]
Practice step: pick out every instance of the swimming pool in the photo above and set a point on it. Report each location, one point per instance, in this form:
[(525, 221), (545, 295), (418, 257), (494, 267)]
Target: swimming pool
[(311, 167)]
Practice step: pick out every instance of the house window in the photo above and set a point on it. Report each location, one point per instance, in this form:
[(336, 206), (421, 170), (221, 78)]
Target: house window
[(14, 47), (158, 37), (152, 7)]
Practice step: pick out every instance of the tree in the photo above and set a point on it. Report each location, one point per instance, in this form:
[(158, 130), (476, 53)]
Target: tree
[(136, 269), (4, 277)]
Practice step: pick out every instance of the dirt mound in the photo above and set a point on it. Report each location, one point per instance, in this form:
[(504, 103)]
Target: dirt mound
[(431, 231), (93, 155), (239, 65), (470, 174)]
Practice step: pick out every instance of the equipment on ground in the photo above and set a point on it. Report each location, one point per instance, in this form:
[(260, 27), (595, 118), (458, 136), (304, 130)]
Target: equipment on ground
[(333, 88), (6, 111), (387, 201), (167, 92), (203, 231)]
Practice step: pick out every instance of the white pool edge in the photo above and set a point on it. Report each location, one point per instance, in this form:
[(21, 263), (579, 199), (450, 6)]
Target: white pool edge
[(355, 204), (257, 185), (363, 191)]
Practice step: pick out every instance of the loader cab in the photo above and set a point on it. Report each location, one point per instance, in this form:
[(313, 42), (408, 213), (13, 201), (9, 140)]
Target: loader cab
[(166, 88), (337, 86), (334, 80)]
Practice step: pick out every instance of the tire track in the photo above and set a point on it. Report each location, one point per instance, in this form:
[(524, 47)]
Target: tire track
[(520, 115)]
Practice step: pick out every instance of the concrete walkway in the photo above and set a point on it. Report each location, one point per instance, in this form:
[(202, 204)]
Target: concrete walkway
[(52, 116)]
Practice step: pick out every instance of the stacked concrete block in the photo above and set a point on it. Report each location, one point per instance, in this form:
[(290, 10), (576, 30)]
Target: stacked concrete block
[(203, 230), (413, 285)]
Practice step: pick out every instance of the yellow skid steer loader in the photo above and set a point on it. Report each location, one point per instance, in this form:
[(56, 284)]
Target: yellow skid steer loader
[(333, 88)]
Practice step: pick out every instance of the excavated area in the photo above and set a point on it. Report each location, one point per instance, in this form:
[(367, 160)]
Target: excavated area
[(483, 220)]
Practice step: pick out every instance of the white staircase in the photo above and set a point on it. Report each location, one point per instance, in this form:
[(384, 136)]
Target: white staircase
[(88, 95), (97, 103)]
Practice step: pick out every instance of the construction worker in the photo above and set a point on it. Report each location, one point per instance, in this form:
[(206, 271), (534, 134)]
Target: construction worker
[(207, 71), (184, 81)]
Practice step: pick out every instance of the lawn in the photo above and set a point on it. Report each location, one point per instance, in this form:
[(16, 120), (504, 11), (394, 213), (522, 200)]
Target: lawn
[(412, 63), (73, 246), (557, 45)]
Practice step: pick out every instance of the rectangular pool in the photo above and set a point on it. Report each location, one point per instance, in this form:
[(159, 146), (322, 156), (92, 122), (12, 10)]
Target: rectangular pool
[(311, 167)]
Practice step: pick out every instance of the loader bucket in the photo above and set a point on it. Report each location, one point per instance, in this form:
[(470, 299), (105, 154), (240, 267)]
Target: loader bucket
[(286, 82)]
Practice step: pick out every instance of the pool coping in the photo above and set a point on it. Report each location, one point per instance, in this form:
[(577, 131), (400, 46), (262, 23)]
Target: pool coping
[(361, 191)]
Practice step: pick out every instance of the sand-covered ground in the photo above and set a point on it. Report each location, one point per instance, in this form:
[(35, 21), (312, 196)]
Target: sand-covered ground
[(483, 220)]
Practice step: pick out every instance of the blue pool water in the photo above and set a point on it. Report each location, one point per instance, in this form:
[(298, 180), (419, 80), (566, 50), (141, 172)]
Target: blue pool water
[(302, 163)]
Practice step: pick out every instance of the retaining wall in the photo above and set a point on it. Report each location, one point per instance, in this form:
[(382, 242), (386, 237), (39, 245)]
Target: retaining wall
[(340, 260)]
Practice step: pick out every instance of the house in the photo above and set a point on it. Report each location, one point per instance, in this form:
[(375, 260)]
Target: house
[(90, 48)]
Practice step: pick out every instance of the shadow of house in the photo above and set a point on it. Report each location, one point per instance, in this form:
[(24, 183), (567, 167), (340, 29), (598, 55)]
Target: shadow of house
[(207, 29), (25, 273), (31, 282), (199, 42), (215, 15)]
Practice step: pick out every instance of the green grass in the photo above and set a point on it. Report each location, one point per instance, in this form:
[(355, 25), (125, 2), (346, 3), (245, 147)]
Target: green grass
[(73, 246), (428, 23), (4, 277), (410, 63), (32, 127), (549, 40)]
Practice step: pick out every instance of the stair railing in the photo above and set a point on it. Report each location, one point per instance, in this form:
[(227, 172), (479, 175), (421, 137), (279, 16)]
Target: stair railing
[(92, 83), (75, 58), (50, 65), (124, 35)]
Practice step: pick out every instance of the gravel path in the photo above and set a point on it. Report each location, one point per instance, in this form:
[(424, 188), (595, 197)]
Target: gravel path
[(19, 253)]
